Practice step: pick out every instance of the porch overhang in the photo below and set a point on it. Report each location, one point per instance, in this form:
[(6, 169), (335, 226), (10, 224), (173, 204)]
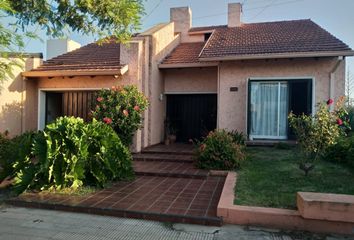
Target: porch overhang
[(278, 55), (72, 73)]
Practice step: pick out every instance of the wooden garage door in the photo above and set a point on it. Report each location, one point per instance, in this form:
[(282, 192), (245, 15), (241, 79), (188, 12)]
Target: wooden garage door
[(79, 103), (192, 115)]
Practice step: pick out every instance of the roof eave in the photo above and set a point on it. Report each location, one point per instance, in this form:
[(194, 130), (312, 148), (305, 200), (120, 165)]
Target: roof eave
[(66, 73), (200, 32), (278, 55), (187, 65)]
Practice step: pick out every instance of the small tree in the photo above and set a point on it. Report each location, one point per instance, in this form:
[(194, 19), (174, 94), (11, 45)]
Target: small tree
[(121, 108), (315, 134)]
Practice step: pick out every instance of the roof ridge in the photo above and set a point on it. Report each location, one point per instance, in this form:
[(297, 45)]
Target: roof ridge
[(275, 21)]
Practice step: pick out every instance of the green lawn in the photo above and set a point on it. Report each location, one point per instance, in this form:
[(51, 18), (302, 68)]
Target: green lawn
[(271, 178)]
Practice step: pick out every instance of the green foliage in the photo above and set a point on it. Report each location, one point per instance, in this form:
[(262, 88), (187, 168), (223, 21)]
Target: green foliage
[(271, 177), (121, 108), (315, 134), (342, 151), (218, 151), (70, 153), (283, 145), (238, 137), (350, 116), (102, 17), (14, 150)]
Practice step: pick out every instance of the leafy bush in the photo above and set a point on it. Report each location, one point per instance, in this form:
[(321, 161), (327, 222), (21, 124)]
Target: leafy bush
[(70, 153), (350, 110), (342, 151), (219, 151), (315, 134), (14, 150), (238, 137), (121, 108)]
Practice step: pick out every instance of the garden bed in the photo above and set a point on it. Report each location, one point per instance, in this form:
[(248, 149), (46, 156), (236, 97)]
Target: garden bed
[(271, 178)]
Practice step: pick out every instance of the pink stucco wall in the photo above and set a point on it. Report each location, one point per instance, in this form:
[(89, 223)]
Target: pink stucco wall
[(13, 96), (232, 106), (162, 41), (191, 80)]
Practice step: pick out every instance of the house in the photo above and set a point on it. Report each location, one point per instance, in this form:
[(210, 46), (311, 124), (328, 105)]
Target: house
[(242, 76)]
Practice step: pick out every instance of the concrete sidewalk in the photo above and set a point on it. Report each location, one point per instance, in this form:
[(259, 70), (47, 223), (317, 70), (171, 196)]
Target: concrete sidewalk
[(23, 223)]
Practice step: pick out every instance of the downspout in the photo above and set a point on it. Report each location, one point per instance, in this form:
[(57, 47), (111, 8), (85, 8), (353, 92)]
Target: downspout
[(332, 78), (218, 99), (22, 104)]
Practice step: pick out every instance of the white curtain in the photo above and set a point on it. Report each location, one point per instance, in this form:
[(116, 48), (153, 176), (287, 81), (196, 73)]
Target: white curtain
[(269, 107)]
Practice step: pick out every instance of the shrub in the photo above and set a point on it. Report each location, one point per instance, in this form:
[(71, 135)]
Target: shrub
[(350, 110), (315, 134), (219, 151), (14, 150), (121, 108), (238, 137), (342, 152), (70, 153)]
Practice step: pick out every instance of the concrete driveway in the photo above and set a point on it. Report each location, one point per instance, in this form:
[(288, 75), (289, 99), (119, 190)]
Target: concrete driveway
[(31, 224)]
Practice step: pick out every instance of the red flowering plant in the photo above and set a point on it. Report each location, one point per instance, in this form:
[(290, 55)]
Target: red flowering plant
[(122, 108), (316, 133)]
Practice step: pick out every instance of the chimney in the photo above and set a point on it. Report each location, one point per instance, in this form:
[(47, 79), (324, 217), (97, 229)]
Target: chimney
[(182, 17), (56, 47), (234, 14)]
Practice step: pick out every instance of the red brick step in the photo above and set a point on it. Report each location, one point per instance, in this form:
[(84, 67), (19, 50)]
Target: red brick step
[(159, 157), (169, 169)]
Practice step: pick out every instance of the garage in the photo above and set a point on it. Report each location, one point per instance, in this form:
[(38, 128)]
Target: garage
[(191, 116)]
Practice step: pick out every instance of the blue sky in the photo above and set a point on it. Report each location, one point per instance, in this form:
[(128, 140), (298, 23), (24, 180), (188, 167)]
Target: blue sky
[(337, 17)]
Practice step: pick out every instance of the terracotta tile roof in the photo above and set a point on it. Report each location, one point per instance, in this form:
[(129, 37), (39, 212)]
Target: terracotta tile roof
[(207, 28), (92, 57), (185, 53), (270, 38)]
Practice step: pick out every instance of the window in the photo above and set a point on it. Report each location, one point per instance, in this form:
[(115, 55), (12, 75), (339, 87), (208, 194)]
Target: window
[(207, 36), (270, 102)]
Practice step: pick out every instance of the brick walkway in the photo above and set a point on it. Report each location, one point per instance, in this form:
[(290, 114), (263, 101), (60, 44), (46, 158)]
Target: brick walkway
[(169, 169), (173, 191)]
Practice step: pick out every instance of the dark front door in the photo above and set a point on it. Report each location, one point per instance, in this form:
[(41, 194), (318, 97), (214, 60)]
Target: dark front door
[(192, 116), (54, 106)]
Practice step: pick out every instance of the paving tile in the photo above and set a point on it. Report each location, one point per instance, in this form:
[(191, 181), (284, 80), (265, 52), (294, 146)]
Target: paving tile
[(180, 197)]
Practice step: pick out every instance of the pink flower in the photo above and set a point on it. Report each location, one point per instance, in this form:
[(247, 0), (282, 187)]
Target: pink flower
[(136, 108), (125, 112), (99, 99), (202, 147), (330, 101), (339, 122), (107, 120), (114, 88)]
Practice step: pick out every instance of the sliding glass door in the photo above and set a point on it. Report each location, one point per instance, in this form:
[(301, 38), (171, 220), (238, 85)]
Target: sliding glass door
[(268, 109)]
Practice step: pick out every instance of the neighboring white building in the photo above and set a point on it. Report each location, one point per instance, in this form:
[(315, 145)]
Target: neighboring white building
[(56, 47)]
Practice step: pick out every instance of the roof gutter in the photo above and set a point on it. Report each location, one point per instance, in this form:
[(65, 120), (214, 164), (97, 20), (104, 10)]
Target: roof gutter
[(187, 65), (67, 73), (278, 55)]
